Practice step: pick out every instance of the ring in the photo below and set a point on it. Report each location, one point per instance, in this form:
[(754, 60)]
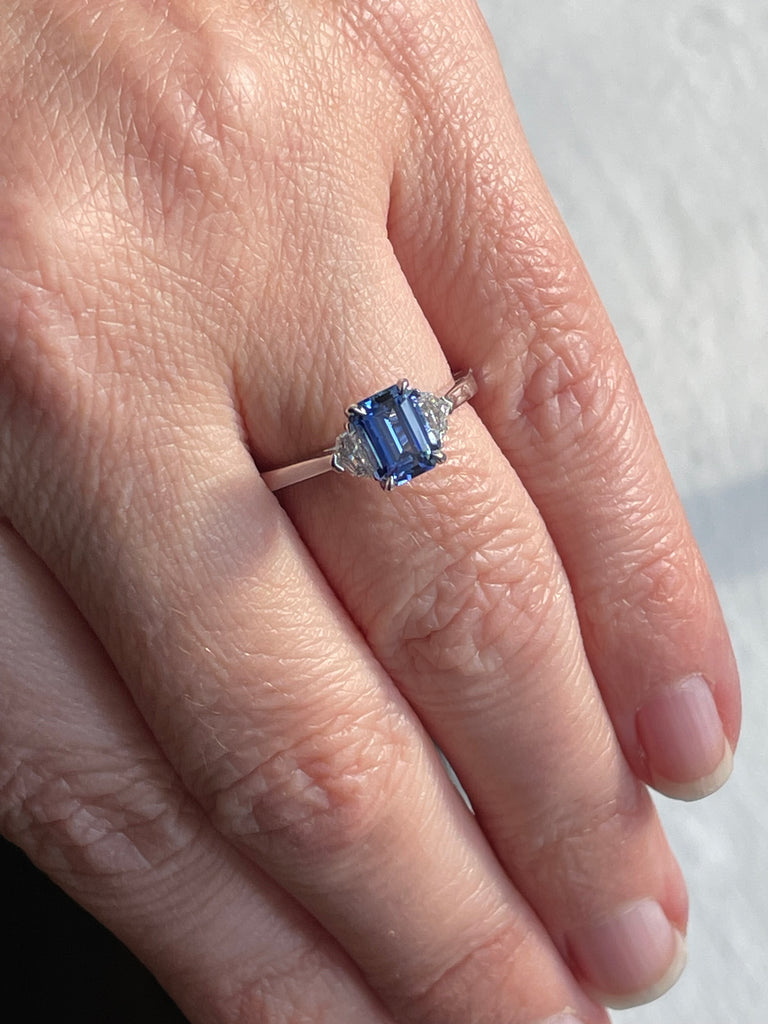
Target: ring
[(393, 436)]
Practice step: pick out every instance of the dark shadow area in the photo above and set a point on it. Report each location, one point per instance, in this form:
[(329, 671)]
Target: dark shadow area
[(61, 964)]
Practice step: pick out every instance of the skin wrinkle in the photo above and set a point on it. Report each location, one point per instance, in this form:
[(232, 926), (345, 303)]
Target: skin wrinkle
[(533, 838), (45, 378), (380, 24), (565, 390), (451, 596), (284, 979), (156, 618), (456, 634), (441, 645), (52, 391), (75, 821), (528, 831), (427, 996), (510, 428), (175, 110), (611, 633), (420, 52), (614, 824), (272, 689), (243, 654), (344, 317), (278, 998), (452, 993), (64, 352), (328, 792), (287, 985), (651, 559)]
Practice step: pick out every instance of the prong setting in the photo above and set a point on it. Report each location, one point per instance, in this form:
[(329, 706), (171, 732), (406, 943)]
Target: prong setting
[(398, 433)]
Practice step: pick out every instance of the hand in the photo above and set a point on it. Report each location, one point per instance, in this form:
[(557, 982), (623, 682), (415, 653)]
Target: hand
[(220, 224)]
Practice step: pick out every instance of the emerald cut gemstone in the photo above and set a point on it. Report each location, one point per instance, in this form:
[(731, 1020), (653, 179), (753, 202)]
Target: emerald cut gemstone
[(394, 436)]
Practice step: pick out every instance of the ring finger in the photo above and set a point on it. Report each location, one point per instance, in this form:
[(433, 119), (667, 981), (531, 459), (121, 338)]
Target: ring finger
[(461, 595)]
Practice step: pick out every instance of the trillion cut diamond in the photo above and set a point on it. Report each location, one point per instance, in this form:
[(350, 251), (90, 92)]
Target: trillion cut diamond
[(436, 411), (393, 436), (351, 454)]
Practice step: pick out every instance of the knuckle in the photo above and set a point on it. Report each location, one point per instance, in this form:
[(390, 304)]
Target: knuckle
[(472, 977), (286, 989), (566, 388), (659, 575), (101, 822), (42, 352), (48, 406), (474, 612), (35, 349), (190, 132), (553, 354), (564, 838), (652, 572), (319, 797)]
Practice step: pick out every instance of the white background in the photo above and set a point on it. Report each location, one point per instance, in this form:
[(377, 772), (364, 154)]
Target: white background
[(650, 121)]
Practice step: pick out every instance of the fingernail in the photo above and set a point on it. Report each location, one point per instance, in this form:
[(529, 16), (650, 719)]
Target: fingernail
[(563, 1018), (631, 958), (681, 732)]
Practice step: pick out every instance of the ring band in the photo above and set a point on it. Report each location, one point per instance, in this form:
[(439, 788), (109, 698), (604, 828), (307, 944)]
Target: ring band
[(393, 436)]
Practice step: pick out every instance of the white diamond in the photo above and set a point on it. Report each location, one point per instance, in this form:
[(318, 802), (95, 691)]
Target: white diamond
[(351, 454), (436, 411)]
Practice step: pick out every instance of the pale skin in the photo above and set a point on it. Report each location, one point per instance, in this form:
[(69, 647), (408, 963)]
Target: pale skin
[(221, 223)]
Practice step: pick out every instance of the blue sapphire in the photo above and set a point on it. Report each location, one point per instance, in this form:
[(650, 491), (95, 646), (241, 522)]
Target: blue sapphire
[(396, 434)]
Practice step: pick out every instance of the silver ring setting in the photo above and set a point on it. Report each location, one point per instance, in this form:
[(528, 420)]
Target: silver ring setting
[(392, 436)]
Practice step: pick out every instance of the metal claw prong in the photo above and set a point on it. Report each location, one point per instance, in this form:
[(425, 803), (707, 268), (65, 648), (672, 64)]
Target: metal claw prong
[(439, 456), (335, 464), (356, 410), (389, 483), (403, 385)]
